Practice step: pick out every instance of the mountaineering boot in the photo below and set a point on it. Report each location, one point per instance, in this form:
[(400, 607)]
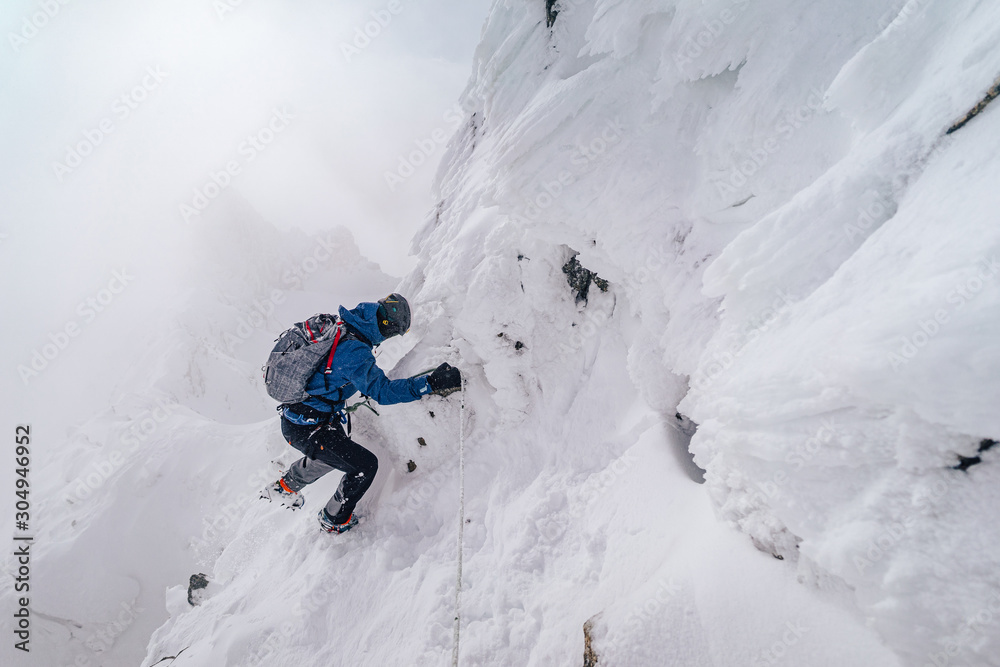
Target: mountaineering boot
[(279, 491), (327, 523)]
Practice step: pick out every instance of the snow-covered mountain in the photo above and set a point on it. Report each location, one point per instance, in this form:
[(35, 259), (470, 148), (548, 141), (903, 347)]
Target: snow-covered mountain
[(782, 216)]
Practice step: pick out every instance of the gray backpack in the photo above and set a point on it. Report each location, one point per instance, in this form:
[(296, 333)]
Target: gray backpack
[(298, 354)]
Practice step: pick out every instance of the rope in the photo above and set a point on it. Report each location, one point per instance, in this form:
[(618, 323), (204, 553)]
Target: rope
[(461, 526)]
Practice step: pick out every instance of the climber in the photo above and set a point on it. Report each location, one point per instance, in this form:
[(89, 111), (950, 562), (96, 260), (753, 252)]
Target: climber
[(315, 425)]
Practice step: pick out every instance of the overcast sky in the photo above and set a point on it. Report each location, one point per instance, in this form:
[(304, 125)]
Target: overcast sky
[(167, 93)]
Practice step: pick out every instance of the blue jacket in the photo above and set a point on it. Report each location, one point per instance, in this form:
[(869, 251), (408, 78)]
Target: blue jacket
[(354, 370)]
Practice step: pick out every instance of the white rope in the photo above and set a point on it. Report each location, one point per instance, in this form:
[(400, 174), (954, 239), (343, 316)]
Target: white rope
[(461, 526)]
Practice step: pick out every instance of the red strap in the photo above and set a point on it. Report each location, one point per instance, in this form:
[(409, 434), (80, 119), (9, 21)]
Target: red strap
[(309, 329), (333, 348)]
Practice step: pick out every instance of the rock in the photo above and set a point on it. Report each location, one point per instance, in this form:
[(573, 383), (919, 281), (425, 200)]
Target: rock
[(590, 656), (580, 279), (196, 589), (550, 17)]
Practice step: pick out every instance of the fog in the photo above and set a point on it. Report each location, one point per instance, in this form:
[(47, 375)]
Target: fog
[(126, 126)]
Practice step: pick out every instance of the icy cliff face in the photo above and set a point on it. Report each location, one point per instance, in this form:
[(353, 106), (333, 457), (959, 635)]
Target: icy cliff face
[(805, 252)]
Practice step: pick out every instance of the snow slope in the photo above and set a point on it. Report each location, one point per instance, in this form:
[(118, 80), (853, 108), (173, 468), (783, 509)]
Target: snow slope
[(799, 258), (120, 499)]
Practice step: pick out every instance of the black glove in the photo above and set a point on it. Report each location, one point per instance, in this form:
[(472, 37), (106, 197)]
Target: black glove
[(444, 380)]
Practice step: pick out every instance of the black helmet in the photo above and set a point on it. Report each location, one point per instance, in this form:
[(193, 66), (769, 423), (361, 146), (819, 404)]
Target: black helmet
[(393, 315)]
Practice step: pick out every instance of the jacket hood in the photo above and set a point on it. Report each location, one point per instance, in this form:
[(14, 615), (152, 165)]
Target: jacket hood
[(364, 318)]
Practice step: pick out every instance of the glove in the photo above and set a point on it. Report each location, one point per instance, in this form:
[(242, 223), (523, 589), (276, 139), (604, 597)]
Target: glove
[(444, 380)]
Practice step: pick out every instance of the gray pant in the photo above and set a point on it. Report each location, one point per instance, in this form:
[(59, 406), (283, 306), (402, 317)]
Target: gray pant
[(304, 472)]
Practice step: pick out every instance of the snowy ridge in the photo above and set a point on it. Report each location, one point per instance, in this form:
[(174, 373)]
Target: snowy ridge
[(769, 191), (775, 150)]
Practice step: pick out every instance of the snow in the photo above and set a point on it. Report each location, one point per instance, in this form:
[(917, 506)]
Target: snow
[(800, 260)]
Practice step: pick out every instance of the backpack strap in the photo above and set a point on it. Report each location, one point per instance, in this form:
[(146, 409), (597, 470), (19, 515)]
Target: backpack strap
[(333, 348)]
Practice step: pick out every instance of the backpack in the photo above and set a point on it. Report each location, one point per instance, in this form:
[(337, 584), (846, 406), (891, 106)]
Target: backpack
[(297, 355)]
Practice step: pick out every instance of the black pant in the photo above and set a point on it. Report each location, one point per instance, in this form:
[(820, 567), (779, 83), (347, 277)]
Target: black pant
[(327, 447)]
